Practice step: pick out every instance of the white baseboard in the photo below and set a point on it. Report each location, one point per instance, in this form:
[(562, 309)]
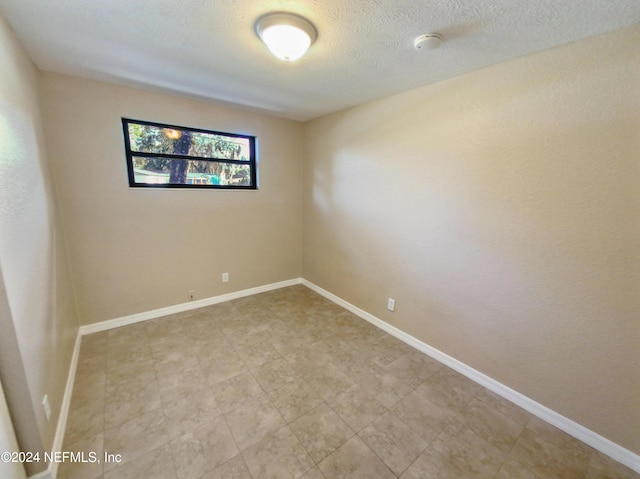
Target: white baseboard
[(52, 470), (600, 443), (179, 308)]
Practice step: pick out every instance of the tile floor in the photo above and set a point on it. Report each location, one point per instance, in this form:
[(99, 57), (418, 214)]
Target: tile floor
[(286, 384)]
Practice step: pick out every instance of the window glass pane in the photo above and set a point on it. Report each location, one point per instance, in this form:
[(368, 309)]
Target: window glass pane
[(156, 139), (217, 146), (166, 155), (153, 170), (152, 139)]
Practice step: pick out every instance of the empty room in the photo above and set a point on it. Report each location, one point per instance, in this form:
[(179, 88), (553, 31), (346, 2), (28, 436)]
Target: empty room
[(334, 239)]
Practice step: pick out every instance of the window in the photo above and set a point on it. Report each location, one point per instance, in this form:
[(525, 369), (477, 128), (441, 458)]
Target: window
[(166, 156)]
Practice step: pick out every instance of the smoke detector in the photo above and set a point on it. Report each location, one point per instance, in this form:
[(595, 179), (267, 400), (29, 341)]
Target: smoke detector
[(428, 41)]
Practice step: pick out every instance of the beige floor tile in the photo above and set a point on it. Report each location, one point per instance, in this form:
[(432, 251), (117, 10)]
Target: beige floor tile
[(124, 404), (313, 474), (545, 459), (558, 438), (448, 390), (234, 468), (238, 327), (288, 343), (316, 331), (244, 304), (295, 399), (332, 347), (362, 347), (514, 471), (327, 373), (200, 320), (189, 394), (413, 369), (321, 432), (211, 341), (157, 464), (127, 354), (504, 407), (263, 314), (252, 337), (93, 345), (468, 451), (357, 329), (259, 353), (89, 391), (211, 336), (278, 456), (167, 327), (191, 376), (393, 442), (173, 356), (91, 366), (356, 407), (254, 420), (603, 467), (136, 437), (348, 322), (222, 310), (279, 328), (126, 333), (205, 343), (221, 369), (274, 374), (125, 349), (307, 359), (203, 450), (130, 375), (386, 388), (354, 365), (171, 361), (492, 426), (431, 464), (236, 390), (328, 380), (90, 464), (386, 349), (354, 460), (83, 422), (190, 408), (424, 418)]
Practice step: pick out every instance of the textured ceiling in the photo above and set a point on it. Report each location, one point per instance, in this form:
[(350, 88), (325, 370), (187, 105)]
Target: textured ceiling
[(209, 49)]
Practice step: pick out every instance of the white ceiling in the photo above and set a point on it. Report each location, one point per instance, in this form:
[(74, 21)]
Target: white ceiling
[(364, 51)]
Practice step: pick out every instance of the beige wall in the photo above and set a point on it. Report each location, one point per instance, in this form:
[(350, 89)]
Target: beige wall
[(38, 321), (133, 249), (501, 210)]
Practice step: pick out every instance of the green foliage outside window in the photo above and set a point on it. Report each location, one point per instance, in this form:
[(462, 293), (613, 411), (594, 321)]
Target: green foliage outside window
[(164, 155)]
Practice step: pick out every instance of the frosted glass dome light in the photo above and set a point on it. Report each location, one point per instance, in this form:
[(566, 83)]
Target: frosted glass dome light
[(287, 36)]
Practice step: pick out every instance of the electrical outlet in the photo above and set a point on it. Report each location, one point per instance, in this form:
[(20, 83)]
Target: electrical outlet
[(225, 277), (191, 295), (391, 304), (47, 407)]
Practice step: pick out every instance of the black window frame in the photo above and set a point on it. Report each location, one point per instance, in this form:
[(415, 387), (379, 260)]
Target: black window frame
[(130, 154)]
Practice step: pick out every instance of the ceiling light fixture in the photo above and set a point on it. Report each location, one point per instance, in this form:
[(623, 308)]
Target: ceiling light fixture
[(287, 36)]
